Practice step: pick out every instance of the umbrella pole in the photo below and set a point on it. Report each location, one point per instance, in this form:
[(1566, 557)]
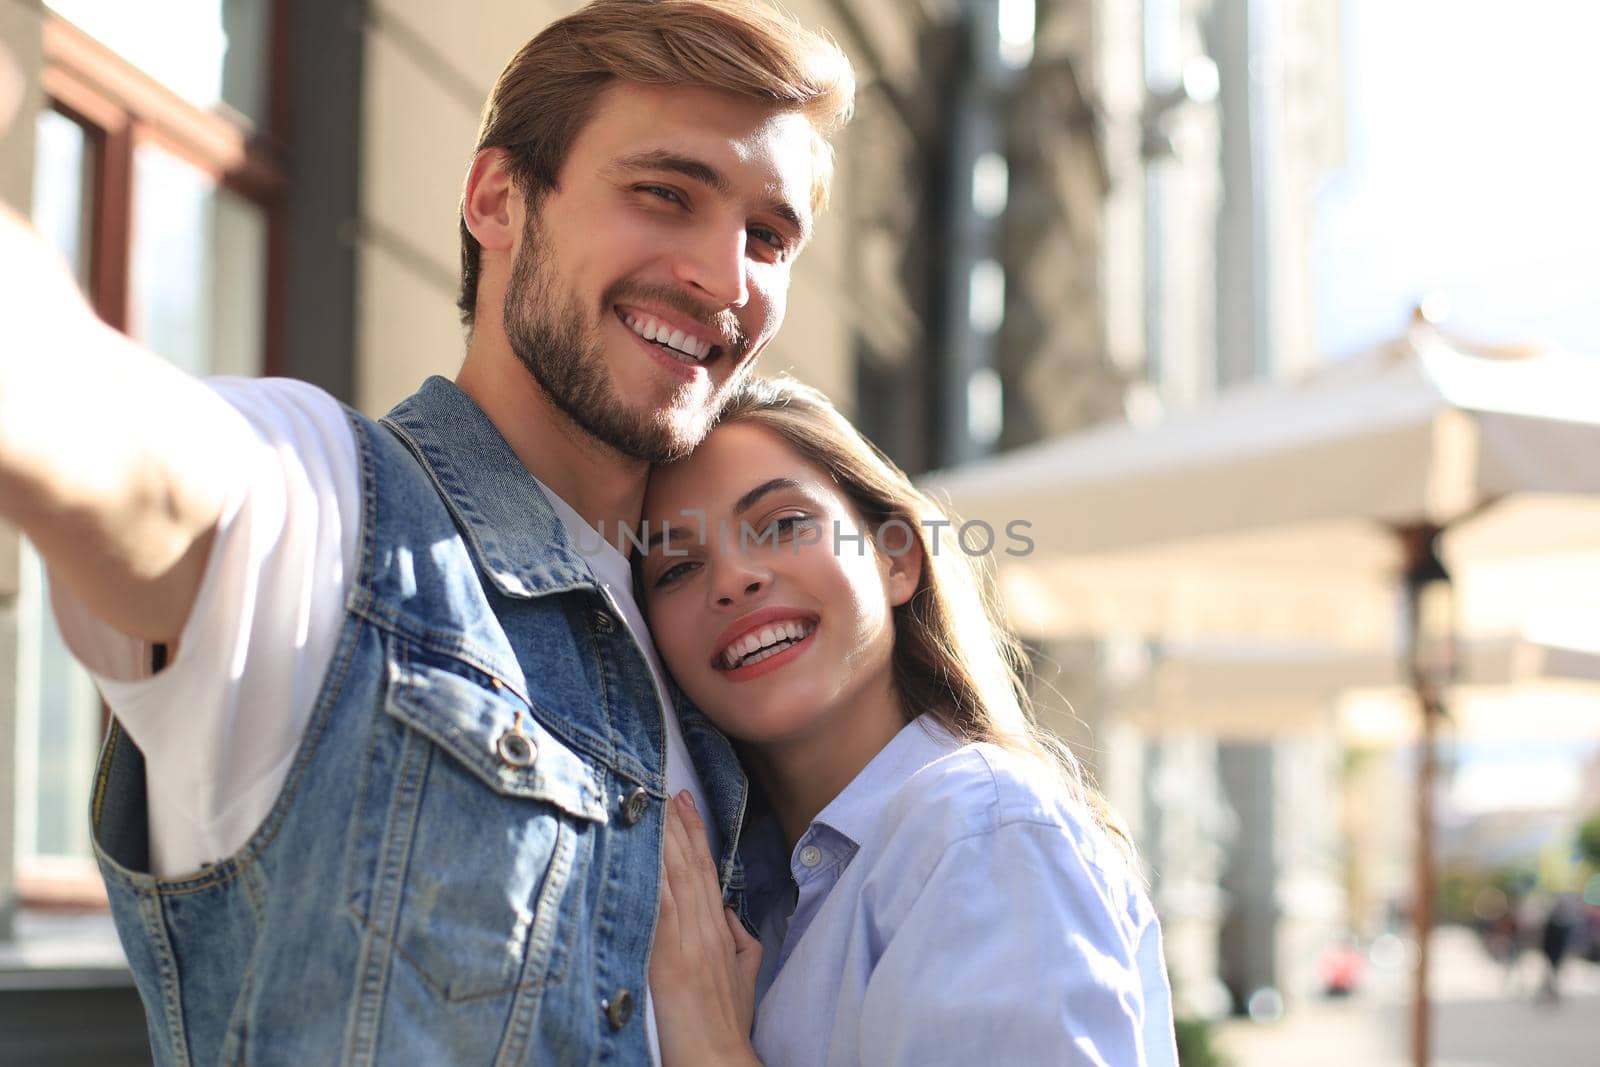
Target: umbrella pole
[(1430, 659), (1427, 772)]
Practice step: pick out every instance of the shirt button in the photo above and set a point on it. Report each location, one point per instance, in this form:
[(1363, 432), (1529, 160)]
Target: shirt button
[(603, 622), (810, 856), (619, 1009), (634, 805)]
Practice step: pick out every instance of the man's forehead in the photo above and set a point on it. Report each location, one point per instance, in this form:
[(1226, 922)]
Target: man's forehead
[(745, 139)]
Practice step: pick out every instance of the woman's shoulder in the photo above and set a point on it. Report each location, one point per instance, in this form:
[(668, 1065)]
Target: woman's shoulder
[(978, 815), (979, 790)]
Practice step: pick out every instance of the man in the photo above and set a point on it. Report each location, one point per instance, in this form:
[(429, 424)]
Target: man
[(392, 744)]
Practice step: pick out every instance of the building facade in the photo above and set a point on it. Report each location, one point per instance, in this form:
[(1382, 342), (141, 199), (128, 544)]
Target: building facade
[(1046, 214)]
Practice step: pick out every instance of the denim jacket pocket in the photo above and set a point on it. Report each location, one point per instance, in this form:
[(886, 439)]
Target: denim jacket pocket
[(474, 822)]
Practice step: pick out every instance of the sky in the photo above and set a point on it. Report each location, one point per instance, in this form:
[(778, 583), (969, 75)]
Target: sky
[(1471, 172)]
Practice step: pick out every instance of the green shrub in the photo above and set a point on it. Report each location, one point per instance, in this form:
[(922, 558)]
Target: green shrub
[(1195, 1046)]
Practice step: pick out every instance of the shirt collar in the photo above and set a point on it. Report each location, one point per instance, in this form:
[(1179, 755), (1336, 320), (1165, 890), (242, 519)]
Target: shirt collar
[(859, 806), (514, 535)]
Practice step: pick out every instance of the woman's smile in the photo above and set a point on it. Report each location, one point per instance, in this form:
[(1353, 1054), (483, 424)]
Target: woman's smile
[(784, 603)]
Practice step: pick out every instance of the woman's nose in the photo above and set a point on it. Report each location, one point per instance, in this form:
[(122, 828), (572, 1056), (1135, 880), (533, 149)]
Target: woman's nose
[(736, 581)]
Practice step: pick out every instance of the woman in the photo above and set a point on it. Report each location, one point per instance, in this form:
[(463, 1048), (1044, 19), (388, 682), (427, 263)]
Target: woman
[(932, 881)]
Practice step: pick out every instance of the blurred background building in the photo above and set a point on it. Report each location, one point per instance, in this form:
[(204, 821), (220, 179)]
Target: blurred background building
[(1047, 214)]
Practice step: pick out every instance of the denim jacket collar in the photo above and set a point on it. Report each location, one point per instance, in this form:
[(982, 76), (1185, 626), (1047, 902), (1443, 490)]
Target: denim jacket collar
[(513, 534)]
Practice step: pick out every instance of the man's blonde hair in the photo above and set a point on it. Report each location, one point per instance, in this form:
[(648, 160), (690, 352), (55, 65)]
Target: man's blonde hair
[(549, 90)]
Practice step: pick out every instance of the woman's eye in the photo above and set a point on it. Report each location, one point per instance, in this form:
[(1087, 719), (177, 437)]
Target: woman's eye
[(673, 573), (785, 525)]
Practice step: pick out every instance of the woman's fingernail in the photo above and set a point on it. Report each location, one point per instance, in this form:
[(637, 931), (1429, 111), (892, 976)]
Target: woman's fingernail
[(687, 800)]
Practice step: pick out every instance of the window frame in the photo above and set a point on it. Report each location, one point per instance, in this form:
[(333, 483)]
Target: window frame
[(121, 107)]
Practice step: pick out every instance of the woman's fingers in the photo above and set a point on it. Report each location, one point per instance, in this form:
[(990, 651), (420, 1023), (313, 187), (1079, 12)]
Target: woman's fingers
[(708, 894), (682, 872), (667, 935), (746, 949), (696, 829)]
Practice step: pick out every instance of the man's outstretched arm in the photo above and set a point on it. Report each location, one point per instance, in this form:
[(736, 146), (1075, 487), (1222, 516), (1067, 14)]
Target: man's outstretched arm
[(104, 456)]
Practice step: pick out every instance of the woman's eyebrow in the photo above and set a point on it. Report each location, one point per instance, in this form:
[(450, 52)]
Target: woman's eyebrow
[(753, 497), (671, 533)]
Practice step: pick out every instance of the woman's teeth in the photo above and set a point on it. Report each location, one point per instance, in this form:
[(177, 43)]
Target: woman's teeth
[(691, 349), (765, 643)]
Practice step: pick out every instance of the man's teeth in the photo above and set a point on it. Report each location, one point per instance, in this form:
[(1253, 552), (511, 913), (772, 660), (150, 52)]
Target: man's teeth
[(764, 643), (653, 329)]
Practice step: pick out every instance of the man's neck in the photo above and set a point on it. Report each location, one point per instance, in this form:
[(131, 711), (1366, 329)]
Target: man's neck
[(601, 485)]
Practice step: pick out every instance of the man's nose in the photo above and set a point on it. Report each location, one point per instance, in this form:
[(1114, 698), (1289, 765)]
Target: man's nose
[(714, 262)]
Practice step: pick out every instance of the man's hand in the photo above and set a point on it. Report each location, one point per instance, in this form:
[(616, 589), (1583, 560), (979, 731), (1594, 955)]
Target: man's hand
[(112, 461), (704, 964)]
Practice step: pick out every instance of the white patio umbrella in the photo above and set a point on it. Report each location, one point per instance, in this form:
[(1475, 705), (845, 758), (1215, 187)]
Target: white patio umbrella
[(1273, 507), (1505, 689), (1316, 510)]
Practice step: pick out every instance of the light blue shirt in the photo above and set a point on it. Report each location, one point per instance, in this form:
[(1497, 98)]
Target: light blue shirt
[(951, 906)]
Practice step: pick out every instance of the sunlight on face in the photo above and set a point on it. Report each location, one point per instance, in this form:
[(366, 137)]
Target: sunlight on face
[(767, 605)]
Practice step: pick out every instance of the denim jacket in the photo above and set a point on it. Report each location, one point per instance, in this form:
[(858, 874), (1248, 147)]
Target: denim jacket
[(462, 867)]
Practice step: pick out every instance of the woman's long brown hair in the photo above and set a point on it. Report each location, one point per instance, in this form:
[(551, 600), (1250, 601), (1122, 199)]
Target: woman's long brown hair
[(954, 658)]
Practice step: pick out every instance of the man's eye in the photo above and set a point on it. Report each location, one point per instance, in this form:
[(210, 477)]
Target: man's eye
[(771, 238), (662, 192)]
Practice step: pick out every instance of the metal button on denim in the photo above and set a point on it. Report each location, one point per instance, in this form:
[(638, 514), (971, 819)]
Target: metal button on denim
[(810, 856), (516, 749), (619, 1009), (634, 805), (603, 622)]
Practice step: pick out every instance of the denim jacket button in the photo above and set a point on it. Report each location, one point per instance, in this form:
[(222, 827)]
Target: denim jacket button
[(603, 622), (619, 1009), (634, 805), (516, 749)]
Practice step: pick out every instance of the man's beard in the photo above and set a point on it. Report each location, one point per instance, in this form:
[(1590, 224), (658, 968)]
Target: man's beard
[(550, 334)]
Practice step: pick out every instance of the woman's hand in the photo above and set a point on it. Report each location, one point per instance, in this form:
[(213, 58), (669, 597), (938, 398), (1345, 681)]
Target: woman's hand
[(703, 966)]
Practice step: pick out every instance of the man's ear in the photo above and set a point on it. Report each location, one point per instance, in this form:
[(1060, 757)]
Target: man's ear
[(492, 205), (901, 552)]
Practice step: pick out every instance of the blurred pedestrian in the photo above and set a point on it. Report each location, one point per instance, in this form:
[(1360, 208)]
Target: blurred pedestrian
[(1554, 941)]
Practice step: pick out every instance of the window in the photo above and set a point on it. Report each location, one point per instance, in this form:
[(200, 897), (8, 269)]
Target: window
[(160, 175)]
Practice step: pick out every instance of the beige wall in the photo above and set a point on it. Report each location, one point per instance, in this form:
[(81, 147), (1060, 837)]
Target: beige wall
[(427, 72)]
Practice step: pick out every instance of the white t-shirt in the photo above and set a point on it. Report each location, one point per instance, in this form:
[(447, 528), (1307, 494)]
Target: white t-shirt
[(220, 724)]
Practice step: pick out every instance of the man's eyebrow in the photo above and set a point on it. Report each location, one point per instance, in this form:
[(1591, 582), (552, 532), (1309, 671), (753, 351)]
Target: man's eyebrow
[(688, 166), (712, 178)]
